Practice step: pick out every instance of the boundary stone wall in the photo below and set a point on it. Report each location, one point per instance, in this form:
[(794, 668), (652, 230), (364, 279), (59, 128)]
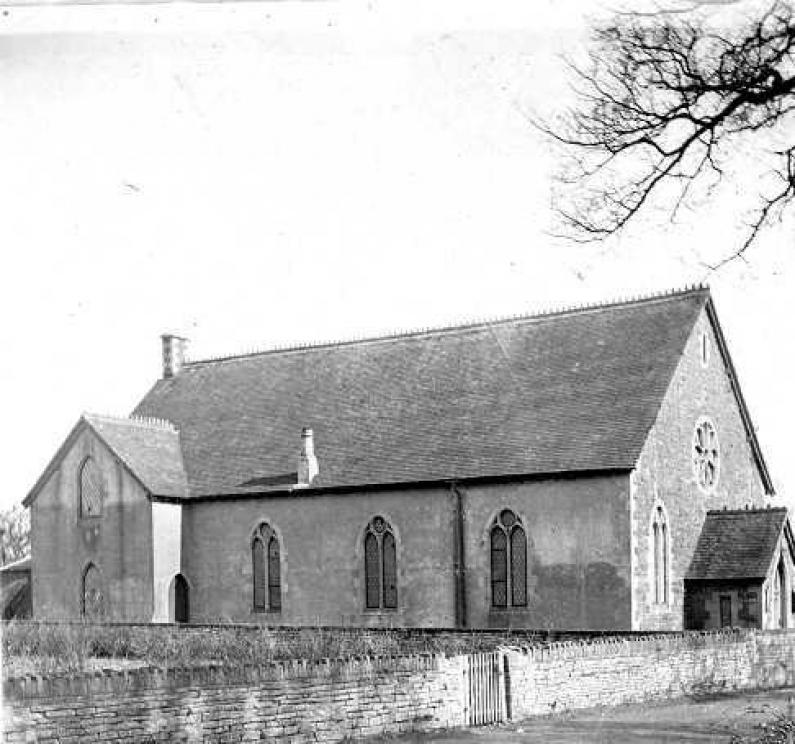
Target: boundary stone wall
[(617, 671), (335, 700), (295, 701)]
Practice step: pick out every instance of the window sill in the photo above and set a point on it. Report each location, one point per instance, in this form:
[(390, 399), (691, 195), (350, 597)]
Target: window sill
[(510, 617)]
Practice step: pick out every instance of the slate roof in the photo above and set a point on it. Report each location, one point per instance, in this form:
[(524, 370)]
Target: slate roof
[(737, 544), (570, 391), (15, 599), (150, 449)]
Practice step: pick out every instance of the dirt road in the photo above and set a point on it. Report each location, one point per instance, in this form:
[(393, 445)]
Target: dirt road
[(707, 720)]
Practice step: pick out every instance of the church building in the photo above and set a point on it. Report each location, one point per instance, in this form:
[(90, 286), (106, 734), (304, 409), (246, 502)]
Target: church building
[(587, 468)]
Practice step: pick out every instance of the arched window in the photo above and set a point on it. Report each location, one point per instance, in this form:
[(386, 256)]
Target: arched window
[(267, 572), (660, 552), (508, 561), (92, 489), (380, 566), (93, 598)]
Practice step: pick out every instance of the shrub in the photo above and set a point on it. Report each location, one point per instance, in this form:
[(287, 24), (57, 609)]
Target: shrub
[(72, 647)]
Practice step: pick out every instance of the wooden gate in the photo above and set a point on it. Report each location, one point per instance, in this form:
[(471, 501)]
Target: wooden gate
[(485, 689)]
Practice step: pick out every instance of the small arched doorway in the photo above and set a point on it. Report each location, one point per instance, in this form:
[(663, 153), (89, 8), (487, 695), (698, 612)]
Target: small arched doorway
[(93, 595), (180, 600)]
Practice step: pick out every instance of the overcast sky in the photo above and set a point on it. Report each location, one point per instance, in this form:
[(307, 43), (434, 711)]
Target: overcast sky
[(258, 173)]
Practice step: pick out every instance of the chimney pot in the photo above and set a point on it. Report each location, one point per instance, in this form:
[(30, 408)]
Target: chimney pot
[(307, 462), (173, 354)]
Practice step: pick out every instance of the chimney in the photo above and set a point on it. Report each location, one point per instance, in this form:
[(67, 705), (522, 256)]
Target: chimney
[(307, 462), (173, 354)]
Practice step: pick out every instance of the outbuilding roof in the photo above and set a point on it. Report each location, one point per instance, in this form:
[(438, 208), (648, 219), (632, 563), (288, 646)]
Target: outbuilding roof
[(569, 391), (149, 448), (737, 544)]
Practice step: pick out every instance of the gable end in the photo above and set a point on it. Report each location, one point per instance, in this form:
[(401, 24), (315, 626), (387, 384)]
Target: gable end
[(745, 415), (71, 438)]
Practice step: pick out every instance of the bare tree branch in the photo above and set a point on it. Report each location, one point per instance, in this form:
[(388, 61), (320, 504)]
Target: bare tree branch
[(663, 102)]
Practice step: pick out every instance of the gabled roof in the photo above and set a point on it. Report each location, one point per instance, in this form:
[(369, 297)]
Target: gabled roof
[(148, 448), (569, 391), (738, 544), (15, 599)]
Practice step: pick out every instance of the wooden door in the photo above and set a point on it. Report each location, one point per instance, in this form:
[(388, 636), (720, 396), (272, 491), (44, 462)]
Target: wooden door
[(725, 611), (181, 600)]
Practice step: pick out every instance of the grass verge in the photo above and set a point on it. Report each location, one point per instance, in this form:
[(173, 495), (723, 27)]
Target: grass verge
[(33, 648)]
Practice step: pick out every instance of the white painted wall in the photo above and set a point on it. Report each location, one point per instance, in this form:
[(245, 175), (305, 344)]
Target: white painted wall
[(167, 556)]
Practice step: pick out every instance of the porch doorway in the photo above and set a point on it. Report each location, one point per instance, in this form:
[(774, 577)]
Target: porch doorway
[(725, 611)]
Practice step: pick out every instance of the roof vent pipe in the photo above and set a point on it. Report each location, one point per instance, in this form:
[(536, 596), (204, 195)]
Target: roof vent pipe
[(307, 462), (173, 354)]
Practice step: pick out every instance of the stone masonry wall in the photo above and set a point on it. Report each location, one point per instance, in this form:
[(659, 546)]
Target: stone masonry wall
[(332, 701), (775, 658), (321, 541), (295, 702), (616, 671), (578, 549), (664, 475)]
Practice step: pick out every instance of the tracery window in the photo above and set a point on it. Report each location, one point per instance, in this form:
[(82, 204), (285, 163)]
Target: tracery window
[(267, 574), (92, 489), (660, 550), (93, 597), (380, 566), (706, 455), (508, 561)]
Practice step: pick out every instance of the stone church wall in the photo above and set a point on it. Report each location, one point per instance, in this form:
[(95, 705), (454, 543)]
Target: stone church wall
[(577, 552), (322, 557), (578, 548), (665, 476), (119, 543), (777, 596)]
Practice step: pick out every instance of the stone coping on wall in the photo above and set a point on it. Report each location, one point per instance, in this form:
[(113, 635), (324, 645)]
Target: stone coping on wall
[(211, 675), (628, 646)]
